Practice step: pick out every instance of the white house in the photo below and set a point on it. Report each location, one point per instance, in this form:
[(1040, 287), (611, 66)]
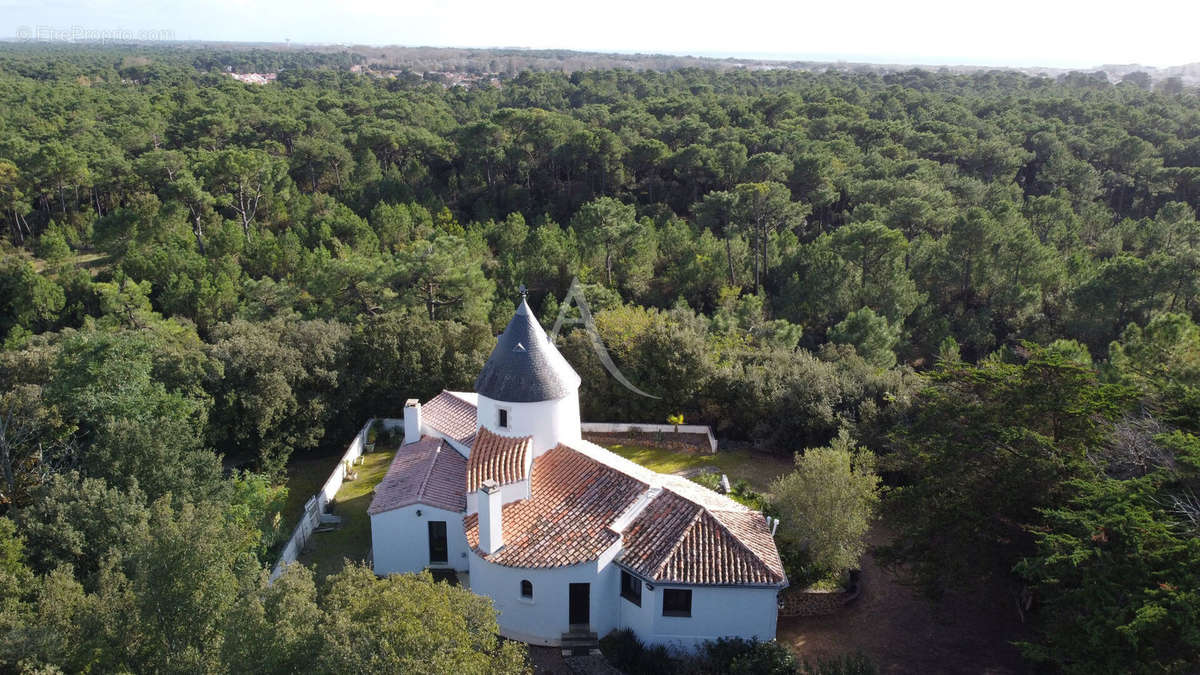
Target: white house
[(568, 539)]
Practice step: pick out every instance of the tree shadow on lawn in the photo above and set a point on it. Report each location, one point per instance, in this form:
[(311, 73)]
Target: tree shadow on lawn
[(326, 551)]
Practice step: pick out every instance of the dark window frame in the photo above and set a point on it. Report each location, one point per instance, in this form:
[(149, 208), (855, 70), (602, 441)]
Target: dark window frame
[(526, 584), (677, 602), (503, 420), (631, 588)]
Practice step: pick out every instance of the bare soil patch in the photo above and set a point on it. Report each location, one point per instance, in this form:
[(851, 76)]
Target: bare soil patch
[(903, 632)]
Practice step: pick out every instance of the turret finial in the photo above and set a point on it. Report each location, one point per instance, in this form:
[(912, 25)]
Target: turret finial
[(522, 290)]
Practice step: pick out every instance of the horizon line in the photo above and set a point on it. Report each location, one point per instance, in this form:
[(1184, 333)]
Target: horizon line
[(915, 61)]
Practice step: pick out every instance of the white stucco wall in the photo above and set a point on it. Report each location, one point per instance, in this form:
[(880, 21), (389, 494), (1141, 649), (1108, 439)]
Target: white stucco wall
[(627, 427), (400, 539), (638, 619), (543, 620), (510, 492), (549, 422), (716, 612)]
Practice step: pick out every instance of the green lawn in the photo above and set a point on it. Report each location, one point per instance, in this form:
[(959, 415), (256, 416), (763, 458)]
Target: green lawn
[(326, 550), (758, 469), (304, 477)]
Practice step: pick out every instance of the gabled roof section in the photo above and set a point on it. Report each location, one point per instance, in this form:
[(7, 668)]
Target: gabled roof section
[(675, 540), (452, 414), (585, 498), (566, 520), (750, 529), (504, 459), (525, 366), (426, 472)]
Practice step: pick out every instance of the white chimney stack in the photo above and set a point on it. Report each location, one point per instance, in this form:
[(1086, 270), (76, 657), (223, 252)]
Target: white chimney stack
[(491, 525), (412, 421)]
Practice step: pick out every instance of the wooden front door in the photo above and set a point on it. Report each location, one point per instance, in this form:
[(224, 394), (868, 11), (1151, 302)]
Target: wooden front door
[(439, 550), (580, 604)]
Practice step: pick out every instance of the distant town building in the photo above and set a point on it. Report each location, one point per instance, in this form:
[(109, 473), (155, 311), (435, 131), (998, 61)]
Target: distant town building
[(253, 78)]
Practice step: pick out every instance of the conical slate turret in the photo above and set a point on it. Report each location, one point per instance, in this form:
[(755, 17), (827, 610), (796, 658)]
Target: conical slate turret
[(525, 366)]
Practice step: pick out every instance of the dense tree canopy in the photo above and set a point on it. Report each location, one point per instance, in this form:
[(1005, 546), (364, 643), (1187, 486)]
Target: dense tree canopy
[(825, 507), (990, 280)]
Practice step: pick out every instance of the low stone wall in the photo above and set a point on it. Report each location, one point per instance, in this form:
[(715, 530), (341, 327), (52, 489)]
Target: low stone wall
[(652, 439), (796, 602)]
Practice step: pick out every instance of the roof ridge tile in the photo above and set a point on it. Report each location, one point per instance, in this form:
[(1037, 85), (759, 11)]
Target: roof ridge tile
[(429, 469)]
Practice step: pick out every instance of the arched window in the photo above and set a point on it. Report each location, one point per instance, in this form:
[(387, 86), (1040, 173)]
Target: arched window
[(527, 589)]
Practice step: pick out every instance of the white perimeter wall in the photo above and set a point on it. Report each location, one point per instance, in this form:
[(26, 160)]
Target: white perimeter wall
[(400, 539), (319, 503), (665, 429), (549, 422), (546, 618)]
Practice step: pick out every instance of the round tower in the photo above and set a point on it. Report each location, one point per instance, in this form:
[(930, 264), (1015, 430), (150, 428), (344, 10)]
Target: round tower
[(527, 388)]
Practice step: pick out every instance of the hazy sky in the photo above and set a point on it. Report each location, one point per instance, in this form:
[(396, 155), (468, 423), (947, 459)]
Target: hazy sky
[(1014, 32)]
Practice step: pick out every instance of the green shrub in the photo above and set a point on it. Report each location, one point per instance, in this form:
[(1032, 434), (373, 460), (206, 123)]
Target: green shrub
[(826, 506), (738, 656), (627, 653), (846, 664), (623, 649), (52, 245), (740, 491)]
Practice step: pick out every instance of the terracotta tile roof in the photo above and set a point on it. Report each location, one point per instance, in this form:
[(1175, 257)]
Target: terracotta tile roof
[(566, 520), (684, 533), (678, 484), (426, 472), (750, 529), (675, 540), (504, 459), (451, 413)]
